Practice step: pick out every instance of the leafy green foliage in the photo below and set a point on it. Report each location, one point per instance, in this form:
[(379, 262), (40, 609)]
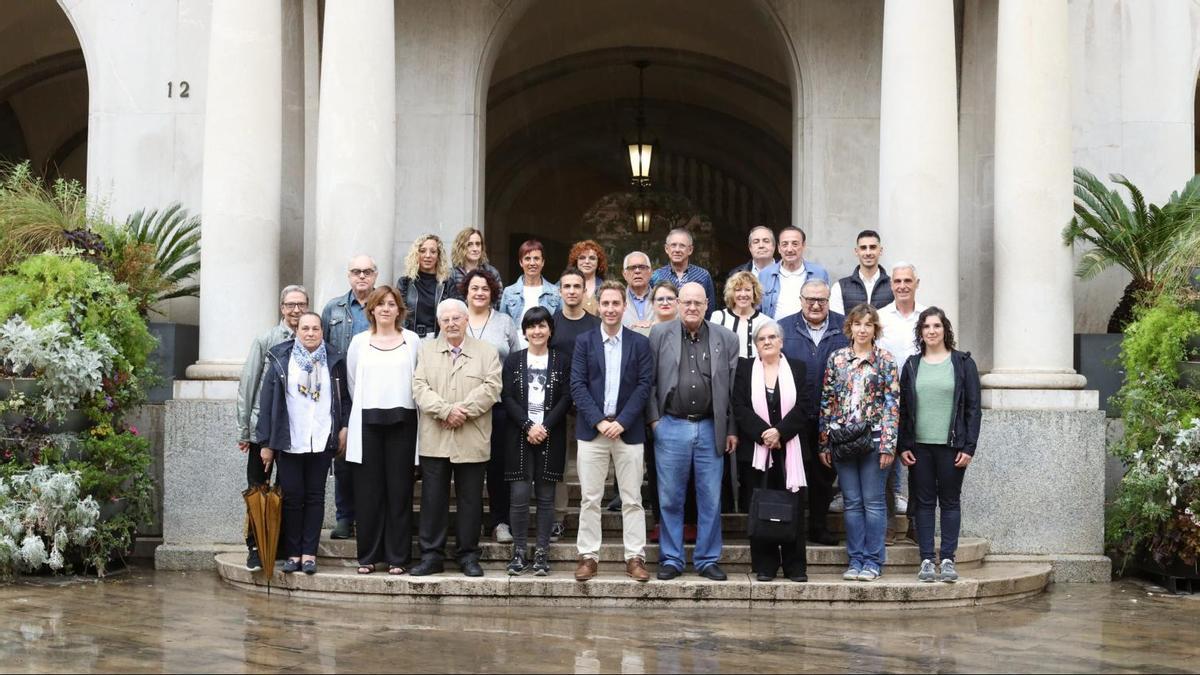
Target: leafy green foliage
[(1156, 508), (35, 218), (68, 371), (64, 288), (156, 254), (1138, 237)]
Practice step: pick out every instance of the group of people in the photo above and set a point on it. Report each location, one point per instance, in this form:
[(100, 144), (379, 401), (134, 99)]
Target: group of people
[(450, 375)]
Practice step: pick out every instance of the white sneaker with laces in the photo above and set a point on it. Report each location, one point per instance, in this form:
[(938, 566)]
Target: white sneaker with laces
[(502, 534)]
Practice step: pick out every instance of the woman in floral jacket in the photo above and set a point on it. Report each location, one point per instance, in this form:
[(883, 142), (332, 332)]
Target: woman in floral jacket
[(860, 402)]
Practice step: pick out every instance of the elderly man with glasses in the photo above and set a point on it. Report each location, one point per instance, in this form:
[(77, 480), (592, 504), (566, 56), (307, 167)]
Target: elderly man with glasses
[(293, 303), (811, 335), (344, 317), (639, 307)]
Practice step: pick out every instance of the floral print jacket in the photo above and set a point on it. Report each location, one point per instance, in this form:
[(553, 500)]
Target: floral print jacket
[(857, 389)]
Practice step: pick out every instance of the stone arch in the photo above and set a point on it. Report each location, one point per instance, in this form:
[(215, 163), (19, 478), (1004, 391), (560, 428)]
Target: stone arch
[(44, 89), (787, 88)]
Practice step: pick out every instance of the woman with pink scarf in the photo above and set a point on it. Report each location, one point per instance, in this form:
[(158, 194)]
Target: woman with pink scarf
[(772, 410)]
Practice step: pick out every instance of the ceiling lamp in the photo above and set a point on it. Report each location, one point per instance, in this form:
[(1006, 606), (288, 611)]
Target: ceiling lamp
[(640, 151), (641, 219)]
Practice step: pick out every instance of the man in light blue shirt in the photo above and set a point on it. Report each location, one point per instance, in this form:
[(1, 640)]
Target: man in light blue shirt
[(611, 373)]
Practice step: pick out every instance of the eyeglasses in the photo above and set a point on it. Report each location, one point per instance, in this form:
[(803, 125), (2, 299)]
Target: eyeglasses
[(355, 272), (815, 301), (638, 268), (664, 301), (293, 306)]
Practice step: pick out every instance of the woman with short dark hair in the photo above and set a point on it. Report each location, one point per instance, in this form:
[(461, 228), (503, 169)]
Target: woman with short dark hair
[(531, 289), (536, 397), (857, 430), (940, 413)]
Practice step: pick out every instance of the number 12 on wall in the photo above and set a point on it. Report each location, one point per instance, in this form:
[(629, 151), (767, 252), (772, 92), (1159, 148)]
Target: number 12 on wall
[(183, 88)]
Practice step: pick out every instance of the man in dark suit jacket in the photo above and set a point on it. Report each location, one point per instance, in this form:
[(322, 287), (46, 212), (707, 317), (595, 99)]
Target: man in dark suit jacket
[(611, 374), (692, 418), (811, 336)]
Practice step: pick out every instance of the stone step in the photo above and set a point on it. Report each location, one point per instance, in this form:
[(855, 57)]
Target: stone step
[(988, 583), (610, 521), (735, 554)]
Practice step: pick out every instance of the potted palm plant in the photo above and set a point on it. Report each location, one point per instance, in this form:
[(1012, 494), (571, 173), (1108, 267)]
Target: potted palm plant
[(1144, 240)]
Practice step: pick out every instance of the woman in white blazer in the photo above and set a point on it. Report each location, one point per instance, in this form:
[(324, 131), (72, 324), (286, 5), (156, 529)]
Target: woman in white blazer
[(382, 439)]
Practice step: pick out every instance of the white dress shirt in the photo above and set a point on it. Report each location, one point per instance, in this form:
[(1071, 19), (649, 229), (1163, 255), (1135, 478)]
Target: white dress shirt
[(899, 336), (790, 283), (309, 421)]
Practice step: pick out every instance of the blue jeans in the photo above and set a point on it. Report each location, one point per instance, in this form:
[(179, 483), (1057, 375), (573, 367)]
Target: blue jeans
[(935, 482), (862, 484), (680, 447)]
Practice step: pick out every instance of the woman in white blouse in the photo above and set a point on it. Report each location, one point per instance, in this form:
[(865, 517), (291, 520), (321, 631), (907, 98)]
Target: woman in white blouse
[(382, 443), (743, 294)]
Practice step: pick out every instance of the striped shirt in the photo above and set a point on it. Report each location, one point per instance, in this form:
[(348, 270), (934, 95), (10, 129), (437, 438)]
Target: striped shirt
[(692, 273)]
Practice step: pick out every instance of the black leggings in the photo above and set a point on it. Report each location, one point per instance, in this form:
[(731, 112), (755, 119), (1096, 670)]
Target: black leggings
[(519, 514)]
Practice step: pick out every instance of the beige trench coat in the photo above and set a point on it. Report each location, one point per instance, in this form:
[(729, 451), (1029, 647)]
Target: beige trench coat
[(473, 381)]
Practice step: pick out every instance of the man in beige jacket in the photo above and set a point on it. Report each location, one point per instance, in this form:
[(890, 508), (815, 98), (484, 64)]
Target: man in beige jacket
[(456, 383)]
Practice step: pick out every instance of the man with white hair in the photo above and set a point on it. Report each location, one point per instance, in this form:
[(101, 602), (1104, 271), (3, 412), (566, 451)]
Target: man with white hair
[(899, 319), (344, 317), (455, 385), (680, 271), (639, 309)]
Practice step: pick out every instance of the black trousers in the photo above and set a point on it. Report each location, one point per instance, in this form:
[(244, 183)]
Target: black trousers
[(497, 487), (543, 491), (302, 478), (384, 493), (344, 499), (767, 558), (256, 475), (435, 507), (820, 484)]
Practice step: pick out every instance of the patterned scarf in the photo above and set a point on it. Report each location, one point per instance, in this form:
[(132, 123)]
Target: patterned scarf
[(310, 363)]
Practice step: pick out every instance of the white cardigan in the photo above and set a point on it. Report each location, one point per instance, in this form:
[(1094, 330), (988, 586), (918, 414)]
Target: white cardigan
[(399, 389)]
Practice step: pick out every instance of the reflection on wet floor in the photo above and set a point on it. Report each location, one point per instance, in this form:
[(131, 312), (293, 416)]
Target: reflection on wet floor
[(182, 622)]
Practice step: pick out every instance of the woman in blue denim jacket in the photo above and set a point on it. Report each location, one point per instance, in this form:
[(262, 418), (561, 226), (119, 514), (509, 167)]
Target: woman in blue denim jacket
[(532, 288)]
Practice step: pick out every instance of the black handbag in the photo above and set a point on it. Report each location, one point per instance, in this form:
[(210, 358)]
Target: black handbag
[(773, 515), (851, 441)]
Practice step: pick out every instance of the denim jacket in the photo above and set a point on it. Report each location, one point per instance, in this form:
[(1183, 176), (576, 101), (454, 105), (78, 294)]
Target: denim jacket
[(338, 323), (513, 301), (770, 283)]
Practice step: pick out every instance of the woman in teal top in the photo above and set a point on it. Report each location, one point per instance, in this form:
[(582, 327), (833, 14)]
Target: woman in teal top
[(939, 427)]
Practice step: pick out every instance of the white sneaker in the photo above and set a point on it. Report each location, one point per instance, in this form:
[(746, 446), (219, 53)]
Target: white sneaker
[(901, 504), (837, 505), (502, 534)]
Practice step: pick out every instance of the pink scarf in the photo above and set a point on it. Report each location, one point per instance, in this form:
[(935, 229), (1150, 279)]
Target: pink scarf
[(793, 464)]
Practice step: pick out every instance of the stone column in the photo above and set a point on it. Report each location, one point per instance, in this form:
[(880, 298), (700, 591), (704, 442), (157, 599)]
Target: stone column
[(356, 143), (1034, 309), (918, 146), (239, 258)]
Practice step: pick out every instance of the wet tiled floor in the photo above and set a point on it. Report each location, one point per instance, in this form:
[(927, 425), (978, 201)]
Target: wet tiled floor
[(192, 622)]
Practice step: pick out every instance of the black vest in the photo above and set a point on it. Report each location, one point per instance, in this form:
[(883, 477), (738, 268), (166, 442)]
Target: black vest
[(854, 293)]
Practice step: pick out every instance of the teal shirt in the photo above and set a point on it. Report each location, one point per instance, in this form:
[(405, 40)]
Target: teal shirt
[(935, 401)]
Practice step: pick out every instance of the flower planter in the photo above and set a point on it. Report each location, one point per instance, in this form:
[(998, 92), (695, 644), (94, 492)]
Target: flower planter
[(74, 421), (1097, 357), (1175, 576), (1189, 375)]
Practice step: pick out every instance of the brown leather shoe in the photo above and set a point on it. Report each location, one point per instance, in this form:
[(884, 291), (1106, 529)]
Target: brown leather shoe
[(586, 569), (635, 568)]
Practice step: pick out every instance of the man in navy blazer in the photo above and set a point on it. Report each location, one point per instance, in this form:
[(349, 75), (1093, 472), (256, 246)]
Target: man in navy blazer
[(611, 375)]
